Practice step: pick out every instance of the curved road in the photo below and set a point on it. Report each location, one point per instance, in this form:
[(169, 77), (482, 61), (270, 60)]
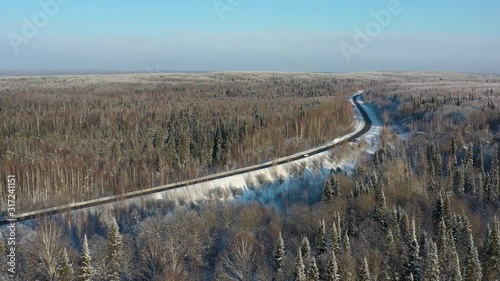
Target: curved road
[(139, 193)]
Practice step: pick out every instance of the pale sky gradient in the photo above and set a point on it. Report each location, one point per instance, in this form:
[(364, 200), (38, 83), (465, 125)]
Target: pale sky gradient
[(279, 35)]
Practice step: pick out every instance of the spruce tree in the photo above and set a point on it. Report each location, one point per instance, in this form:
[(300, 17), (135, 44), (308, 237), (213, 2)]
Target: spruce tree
[(321, 238), (313, 272), (437, 214), (479, 159), (364, 271), (327, 192), (413, 265), (381, 201), (465, 231), (458, 181), (455, 273), (299, 271), (432, 269), (492, 255), (332, 269), (469, 181), (453, 146), (305, 247), (446, 210), (86, 270), (335, 185), (335, 239), (472, 270), (346, 244), (66, 272), (279, 254), (444, 238), (403, 224), (115, 255), (390, 263)]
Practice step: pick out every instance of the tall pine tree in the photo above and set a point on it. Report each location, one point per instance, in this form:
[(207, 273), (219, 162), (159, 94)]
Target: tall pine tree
[(332, 269), (432, 268), (321, 238), (279, 254), (413, 265), (299, 271), (115, 255), (313, 272), (335, 239), (86, 270), (472, 270), (492, 255), (66, 272), (305, 247), (364, 272)]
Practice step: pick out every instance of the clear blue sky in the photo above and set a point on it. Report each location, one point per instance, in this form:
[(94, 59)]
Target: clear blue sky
[(276, 35)]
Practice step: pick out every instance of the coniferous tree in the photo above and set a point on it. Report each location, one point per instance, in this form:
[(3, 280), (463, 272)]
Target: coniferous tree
[(327, 192), (444, 237), (458, 181), (432, 269), (335, 239), (389, 268), (472, 266), (492, 255), (469, 180), (453, 147), (381, 201), (313, 272), (299, 271), (66, 272), (305, 247), (85, 270), (321, 238), (346, 244), (454, 273), (279, 254), (437, 214), (332, 269), (364, 271), (404, 222), (115, 255), (465, 231), (479, 159), (346, 262), (335, 185), (413, 265)]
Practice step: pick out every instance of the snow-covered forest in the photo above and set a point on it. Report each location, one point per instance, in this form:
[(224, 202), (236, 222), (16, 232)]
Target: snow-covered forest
[(70, 138), (424, 206)]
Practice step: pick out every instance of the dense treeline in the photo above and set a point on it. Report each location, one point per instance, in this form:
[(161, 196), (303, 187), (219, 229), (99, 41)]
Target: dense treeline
[(71, 138)]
